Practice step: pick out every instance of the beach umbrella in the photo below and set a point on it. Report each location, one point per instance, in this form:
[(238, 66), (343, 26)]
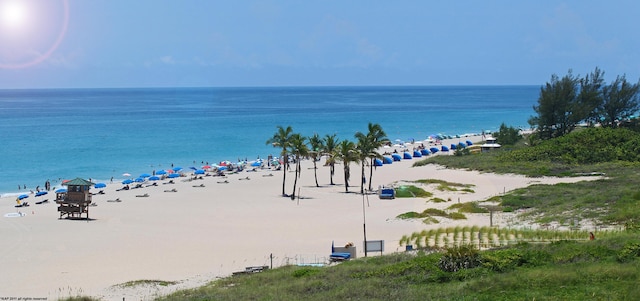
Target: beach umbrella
[(434, 150), (61, 190), (193, 168), (199, 172), (469, 143), (396, 157), (461, 145), (139, 180), (406, 155), (39, 193), (176, 169), (377, 162), (222, 168), (387, 160), (453, 146), (100, 185), (23, 196), (127, 181), (206, 167), (144, 175), (173, 175), (425, 152), (126, 174), (154, 178), (161, 172), (256, 163), (444, 149)]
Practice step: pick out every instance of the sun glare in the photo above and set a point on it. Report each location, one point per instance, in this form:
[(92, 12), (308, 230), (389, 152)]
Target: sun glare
[(13, 13)]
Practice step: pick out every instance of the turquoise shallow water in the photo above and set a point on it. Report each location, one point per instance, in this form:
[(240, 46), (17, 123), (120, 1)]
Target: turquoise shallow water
[(103, 133)]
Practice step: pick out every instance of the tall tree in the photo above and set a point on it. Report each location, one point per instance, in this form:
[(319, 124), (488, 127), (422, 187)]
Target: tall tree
[(556, 105), (282, 139), (345, 152), (620, 101), (590, 97), (298, 150), (315, 151), (364, 148), (330, 145), (377, 138)]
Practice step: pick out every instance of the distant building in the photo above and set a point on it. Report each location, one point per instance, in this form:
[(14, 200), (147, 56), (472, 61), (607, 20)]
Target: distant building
[(490, 144)]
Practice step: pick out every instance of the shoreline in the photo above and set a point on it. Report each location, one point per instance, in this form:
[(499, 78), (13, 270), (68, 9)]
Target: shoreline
[(213, 227)]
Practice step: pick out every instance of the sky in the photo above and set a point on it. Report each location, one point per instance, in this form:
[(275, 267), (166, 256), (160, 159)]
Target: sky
[(210, 43)]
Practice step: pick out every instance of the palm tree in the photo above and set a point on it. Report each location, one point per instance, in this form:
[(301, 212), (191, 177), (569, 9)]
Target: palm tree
[(330, 145), (298, 149), (315, 150), (364, 151), (345, 152), (377, 138), (282, 139)]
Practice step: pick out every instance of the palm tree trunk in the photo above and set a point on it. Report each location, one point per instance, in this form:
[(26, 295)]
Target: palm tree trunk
[(332, 170), (285, 163), (371, 172), (346, 178), (295, 181), (362, 178), (315, 171)]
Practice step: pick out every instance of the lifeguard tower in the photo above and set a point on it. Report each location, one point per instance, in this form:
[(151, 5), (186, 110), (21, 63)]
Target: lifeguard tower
[(75, 202)]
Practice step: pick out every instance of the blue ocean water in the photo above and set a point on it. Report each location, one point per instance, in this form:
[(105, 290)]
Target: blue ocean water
[(102, 133)]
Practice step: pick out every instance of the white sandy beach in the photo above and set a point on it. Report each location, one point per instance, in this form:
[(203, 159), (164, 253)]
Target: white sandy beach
[(197, 234)]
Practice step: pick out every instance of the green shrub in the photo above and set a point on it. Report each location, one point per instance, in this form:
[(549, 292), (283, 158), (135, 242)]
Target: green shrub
[(459, 257), (630, 251)]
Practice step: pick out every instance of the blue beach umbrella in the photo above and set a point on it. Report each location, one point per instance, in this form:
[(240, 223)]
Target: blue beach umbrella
[(377, 162), (127, 181), (144, 175), (387, 160), (199, 172), (417, 154), (221, 168), (453, 146), (434, 150), (100, 185), (396, 157), (406, 155), (139, 180), (425, 152), (61, 190), (469, 143), (193, 167), (176, 169), (173, 175), (161, 172), (23, 196), (444, 149), (154, 178), (39, 193), (255, 164)]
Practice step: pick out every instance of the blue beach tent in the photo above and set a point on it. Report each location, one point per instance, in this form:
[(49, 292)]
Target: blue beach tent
[(434, 150), (417, 154), (406, 155), (469, 143), (425, 152), (387, 160), (396, 157), (453, 146), (444, 149)]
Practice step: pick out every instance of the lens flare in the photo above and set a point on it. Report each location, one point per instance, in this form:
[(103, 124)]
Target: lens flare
[(30, 31)]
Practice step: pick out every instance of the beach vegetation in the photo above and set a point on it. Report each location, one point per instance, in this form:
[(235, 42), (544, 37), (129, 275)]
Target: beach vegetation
[(445, 185), (411, 191), (316, 147), (520, 271), (507, 135), (329, 149), (346, 153), (469, 207), (282, 139), (568, 101), (298, 150), (367, 148)]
